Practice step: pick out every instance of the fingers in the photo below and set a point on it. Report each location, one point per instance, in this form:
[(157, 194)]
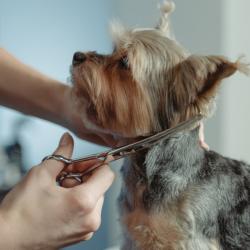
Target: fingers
[(84, 165), (65, 148), (81, 167), (87, 236), (69, 183), (97, 184), (93, 220)]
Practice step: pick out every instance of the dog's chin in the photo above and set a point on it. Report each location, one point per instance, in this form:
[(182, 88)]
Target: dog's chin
[(117, 138)]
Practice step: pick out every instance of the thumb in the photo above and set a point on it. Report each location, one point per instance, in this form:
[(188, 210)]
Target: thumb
[(65, 149)]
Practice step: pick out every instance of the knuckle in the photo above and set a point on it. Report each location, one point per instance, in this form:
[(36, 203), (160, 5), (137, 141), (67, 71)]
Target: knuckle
[(31, 177), (88, 202), (87, 236), (33, 172), (38, 176), (85, 202), (93, 223), (42, 171), (110, 174)]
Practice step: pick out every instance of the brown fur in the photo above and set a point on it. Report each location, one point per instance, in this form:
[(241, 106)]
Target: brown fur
[(152, 231), (200, 76), (125, 106), (107, 106)]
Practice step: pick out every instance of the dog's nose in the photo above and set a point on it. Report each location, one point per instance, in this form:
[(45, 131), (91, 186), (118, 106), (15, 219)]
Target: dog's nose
[(78, 58)]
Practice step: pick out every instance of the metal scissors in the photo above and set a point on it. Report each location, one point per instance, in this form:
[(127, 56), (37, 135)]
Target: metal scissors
[(120, 152)]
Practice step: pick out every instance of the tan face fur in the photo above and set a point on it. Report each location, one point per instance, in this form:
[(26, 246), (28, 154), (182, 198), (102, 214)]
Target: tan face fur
[(149, 82)]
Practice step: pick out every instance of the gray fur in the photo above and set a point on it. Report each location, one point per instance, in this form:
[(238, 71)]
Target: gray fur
[(218, 189)]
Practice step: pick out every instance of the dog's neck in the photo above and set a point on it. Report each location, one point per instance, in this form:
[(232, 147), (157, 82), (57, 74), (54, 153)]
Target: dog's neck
[(164, 170)]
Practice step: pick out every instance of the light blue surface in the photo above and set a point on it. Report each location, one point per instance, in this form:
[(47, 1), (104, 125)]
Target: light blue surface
[(45, 34)]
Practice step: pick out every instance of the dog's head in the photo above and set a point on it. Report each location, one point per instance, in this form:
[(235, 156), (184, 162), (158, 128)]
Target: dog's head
[(148, 83)]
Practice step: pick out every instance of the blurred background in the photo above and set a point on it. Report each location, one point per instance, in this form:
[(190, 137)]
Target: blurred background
[(45, 34)]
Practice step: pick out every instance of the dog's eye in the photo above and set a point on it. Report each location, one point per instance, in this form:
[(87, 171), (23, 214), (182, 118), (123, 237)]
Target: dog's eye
[(124, 63), (91, 109)]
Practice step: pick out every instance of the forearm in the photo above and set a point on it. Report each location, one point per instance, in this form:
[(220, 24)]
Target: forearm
[(26, 90)]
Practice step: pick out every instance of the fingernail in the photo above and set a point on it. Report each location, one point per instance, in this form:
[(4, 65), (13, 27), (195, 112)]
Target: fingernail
[(65, 139), (108, 159)]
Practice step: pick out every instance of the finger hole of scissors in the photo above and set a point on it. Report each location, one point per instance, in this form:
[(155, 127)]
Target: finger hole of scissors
[(69, 182)]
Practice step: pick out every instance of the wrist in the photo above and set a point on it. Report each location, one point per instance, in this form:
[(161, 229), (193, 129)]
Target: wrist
[(64, 110), (68, 113), (57, 110)]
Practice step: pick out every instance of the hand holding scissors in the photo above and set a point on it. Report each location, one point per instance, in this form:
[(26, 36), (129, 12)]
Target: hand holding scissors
[(120, 152)]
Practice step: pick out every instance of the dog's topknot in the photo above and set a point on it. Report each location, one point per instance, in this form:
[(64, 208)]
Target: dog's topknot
[(167, 7)]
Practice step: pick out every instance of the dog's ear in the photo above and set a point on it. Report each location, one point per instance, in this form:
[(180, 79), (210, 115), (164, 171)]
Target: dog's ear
[(198, 77), (164, 24)]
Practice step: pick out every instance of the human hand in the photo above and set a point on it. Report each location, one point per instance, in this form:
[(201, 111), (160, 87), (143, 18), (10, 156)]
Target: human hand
[(71, 118), (38, 214)]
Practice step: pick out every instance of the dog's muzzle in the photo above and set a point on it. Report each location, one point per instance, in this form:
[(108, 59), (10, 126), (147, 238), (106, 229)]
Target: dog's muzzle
[(78, 58)]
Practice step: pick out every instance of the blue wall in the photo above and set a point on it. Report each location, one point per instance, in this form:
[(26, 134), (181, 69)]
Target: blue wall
[(45, 34)]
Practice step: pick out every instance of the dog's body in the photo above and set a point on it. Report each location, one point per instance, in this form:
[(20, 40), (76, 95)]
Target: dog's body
[(180, 196), (176, 195)]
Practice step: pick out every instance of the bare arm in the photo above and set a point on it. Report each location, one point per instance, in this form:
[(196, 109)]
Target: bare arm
[(26, 90)]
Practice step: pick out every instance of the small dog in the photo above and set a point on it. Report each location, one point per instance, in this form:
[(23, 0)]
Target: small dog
[(176, 195)]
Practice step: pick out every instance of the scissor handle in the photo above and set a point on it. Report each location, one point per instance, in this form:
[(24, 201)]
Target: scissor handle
[(77, 176), (123, 151), (100, 156), (67, 161), (58, 158)]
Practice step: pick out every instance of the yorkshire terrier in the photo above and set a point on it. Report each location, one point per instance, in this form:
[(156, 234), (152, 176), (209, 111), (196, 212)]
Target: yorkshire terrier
[(176, 195)]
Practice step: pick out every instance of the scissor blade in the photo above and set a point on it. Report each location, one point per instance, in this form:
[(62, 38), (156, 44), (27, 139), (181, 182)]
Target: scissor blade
[(97, 156), (132, 148), (128, 149)]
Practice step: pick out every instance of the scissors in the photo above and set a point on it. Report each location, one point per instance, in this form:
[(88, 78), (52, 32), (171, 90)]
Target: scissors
[(120, 152)]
